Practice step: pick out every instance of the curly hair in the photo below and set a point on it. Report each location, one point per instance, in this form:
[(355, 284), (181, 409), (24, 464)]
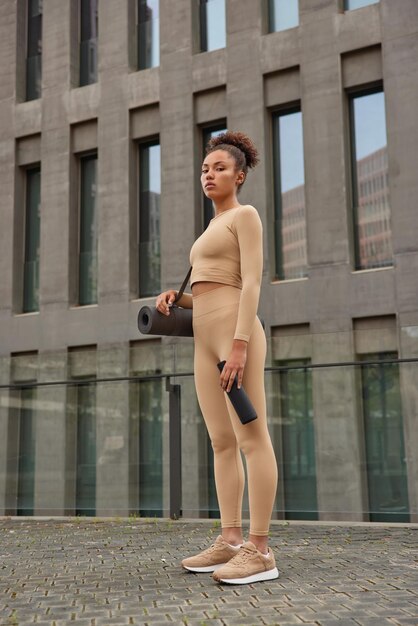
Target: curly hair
[(239, 146)]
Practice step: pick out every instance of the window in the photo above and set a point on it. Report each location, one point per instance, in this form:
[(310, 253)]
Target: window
[(385, 448), (212, 25), (34, 50), (371, 208), (26, 463), (86, 450), (149, 219), (283, 14), (357, 4), (289, 193), (32, 241), (150, 448), (208, 133), (298, 440), (148, 33), (88, 41), (88, 231)]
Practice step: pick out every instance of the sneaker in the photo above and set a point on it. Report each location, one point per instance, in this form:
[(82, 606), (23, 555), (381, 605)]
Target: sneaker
[(248, 566), (209, 560)]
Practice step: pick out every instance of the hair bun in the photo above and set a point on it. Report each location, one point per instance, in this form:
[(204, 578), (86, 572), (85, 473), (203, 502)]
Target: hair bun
[(240, 141)]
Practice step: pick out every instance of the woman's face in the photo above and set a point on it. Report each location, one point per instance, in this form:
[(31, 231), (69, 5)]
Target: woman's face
[(219, 175)]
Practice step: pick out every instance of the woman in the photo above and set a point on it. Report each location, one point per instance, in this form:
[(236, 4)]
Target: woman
[(227, 262)]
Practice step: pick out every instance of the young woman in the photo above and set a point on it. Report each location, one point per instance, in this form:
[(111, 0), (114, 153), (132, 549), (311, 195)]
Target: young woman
[(227, 262)]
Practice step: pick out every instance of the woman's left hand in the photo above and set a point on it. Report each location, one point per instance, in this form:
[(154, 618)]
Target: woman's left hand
[(234, 365)]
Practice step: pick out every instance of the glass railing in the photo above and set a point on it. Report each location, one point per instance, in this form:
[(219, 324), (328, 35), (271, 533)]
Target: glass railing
[(119, 432)]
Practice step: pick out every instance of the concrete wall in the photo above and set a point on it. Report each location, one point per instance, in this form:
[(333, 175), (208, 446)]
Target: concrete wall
[(314, 63)]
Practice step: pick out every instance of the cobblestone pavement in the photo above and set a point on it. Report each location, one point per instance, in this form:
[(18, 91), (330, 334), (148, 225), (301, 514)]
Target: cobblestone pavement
[(104, 572)]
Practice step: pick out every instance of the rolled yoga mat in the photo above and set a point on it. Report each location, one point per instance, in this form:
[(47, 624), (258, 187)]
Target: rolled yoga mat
[(178, 323)]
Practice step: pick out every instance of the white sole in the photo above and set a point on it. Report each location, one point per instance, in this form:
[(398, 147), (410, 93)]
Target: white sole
[(204, 570), (270, 574)]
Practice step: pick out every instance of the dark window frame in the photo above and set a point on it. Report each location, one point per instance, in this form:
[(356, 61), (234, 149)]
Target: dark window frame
[(87, 156), (142, 145), (352, 94), (276, 114)]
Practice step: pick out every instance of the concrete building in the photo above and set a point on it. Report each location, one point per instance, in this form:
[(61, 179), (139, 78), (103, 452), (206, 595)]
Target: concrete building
[(102, 448)]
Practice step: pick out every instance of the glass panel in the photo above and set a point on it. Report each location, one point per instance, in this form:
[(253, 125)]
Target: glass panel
[(371, 211), (290, 218), (26, 465), (385, 448), (86, 450), (298, 441), (88, 41), (88, 231), (33, 77), (346, 460), (32, 241), (283, 14), (357, 4), (208, 133), (212, 25), (149, 220), (148, 33), (150, 448), (34, 51)]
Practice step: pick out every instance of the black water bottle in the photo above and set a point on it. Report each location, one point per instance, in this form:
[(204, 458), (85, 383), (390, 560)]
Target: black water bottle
[(240, 401)]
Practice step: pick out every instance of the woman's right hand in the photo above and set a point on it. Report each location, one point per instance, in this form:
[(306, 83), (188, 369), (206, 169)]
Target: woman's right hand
[(165, 300)]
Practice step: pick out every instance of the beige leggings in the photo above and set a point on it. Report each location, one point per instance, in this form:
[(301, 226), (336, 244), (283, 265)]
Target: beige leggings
[(214, 319)]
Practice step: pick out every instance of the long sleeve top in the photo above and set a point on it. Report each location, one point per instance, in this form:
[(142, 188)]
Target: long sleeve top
[(230, 251)]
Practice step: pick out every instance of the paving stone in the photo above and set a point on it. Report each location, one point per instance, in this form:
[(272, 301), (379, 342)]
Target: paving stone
[(110, 571)]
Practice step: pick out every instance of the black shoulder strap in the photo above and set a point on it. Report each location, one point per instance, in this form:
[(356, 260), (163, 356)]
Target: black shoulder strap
[(183, 286)]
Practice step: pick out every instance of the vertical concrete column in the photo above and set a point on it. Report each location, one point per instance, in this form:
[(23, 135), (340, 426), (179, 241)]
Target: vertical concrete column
[(178, 176), (112, 401), (245, 101), (336, 429), (55, 187), (400, 75), (113, 168), (340, 485), (50, 497), (7, 150), (112, 432)]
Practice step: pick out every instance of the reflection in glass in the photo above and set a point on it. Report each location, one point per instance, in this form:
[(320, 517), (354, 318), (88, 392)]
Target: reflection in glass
[(88, 41), (208, 133), (88, 231), (86, 450), (212, 25), (283, 14), (26, 463), (34, 50), (148, 34), (357, 4), (150, 448), (385, 449), (289, 187), (371, 208), (32, 241), (298, 440), (149, 219), (296, 407)]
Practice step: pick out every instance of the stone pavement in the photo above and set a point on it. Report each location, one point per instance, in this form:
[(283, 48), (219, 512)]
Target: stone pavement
[(81, 572)]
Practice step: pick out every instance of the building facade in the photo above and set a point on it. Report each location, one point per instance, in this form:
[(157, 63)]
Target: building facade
[(105, 108)]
